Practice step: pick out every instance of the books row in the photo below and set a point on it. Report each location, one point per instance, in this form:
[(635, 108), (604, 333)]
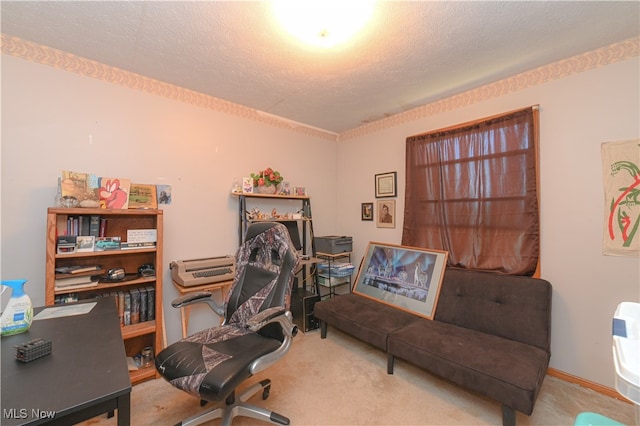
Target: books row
[(85, 243), (135, 305), (93, 225)]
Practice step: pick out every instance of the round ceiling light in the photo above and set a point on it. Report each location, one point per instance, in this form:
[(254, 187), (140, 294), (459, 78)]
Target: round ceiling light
[(323, 23)]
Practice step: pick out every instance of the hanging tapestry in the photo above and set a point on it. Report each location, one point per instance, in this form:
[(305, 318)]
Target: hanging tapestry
[(621, 174)]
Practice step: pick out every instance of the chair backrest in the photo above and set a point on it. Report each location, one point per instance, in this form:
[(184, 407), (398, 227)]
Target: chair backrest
[(265, 269)]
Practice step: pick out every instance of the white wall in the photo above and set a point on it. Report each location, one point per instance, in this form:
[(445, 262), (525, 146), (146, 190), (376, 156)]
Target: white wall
[(54, 120), (577, 114)]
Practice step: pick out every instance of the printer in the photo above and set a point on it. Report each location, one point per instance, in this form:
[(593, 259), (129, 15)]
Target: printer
[(333, 244)]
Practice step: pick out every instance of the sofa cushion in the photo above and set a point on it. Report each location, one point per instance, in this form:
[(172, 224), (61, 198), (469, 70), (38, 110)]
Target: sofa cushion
[(508, 371), (363, 318), (513, 307)]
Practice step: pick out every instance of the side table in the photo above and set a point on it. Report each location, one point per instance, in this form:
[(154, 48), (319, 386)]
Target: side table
[(330, 278), (185, 311)]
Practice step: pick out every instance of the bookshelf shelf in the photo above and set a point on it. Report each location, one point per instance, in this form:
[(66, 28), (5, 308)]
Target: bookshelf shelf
[(136, 336), (140, 329), (103, 253)]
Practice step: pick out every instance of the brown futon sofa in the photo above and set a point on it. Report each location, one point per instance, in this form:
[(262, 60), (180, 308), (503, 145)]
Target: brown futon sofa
[(491, 334)]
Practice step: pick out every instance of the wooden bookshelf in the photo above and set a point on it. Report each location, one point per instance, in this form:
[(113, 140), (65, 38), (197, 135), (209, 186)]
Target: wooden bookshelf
[(138, 335)]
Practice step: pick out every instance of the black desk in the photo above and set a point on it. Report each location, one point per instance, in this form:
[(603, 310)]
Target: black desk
[(85, 375)]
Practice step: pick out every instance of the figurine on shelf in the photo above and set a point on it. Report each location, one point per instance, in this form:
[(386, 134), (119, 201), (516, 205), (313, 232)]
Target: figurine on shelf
[(254, 214)]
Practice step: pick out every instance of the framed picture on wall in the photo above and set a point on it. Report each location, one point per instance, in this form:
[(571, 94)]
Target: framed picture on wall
[(367, 211), (386, 213), (407, 278), (386, 185)]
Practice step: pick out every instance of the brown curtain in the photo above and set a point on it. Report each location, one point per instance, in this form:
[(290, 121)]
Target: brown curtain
[(472, 191)]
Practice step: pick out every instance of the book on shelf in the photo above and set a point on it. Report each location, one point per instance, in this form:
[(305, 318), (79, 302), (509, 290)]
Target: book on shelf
[(127, 308), (102, 229), (151, 303), (135, 305), (94, 226), (143, 304), (77, 269), (81, 281)]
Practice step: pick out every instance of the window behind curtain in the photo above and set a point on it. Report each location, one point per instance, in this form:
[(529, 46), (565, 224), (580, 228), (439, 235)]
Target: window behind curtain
[(472, 191)]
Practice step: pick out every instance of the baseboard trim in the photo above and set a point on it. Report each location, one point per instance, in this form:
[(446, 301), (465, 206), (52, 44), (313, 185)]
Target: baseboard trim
[(605, 390)]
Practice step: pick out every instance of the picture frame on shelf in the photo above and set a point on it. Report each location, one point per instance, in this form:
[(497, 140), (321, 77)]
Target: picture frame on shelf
[(299, 191), (164, 194), (85, 243), (114, 192), (367, 211), (386, 213), (247, 185), (386, 184), (285, 188), (407, 278), (143, 196)]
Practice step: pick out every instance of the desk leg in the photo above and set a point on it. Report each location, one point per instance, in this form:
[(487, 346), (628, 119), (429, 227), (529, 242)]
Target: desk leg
[(184, 316), (124, 410)]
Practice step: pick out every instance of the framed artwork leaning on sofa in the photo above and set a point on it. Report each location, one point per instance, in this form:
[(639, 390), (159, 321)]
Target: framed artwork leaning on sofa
[(408, 278)]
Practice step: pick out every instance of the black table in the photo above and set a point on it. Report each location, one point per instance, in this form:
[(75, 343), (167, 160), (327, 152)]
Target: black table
[(85, 375)]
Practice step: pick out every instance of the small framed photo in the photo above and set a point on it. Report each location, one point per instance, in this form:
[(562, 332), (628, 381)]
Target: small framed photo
[(367, 211), (247, 185), (386, 213), (85, 243), (300, 191), (386, 185), (285, 189)]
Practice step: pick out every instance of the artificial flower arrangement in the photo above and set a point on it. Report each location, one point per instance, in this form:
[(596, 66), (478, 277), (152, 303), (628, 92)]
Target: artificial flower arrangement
[(266, 177)]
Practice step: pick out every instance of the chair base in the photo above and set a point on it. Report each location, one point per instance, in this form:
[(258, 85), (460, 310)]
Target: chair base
[(233, 408)]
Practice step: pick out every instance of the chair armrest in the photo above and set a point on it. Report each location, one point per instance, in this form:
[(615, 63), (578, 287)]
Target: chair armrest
[(198, 297), (289, 329), (261, 319)]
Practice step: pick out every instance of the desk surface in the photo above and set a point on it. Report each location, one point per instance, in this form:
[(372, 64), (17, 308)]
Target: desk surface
[(87, 368)]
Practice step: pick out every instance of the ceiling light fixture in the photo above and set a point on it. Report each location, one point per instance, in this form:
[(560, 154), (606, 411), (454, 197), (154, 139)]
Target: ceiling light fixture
[(323, 23)]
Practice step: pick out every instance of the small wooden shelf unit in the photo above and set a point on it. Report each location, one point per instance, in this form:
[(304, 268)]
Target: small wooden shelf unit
[(135, 336)]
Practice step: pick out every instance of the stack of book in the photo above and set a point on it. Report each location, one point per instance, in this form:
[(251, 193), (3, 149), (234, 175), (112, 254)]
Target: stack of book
[(72, 277)]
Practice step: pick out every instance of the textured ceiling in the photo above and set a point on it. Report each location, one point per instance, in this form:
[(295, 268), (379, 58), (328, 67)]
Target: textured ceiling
[(411, 54)]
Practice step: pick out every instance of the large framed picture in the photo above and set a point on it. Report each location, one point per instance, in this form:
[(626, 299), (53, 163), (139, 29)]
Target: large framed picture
[(386, 185), (407, 278)]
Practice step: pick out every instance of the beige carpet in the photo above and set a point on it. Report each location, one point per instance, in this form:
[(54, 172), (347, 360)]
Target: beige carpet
[(342, 381)]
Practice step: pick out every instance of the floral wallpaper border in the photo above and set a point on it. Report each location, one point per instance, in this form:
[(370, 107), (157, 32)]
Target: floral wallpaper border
[(34, 52)]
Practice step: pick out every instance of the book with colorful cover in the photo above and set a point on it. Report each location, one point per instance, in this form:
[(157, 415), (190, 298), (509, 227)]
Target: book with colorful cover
[(114, 193)]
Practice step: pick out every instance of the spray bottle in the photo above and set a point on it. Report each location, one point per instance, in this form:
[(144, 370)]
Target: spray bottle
[(18, 313)]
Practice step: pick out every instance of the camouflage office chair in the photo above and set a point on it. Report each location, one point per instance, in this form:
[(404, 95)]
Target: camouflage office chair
[(257, 331)]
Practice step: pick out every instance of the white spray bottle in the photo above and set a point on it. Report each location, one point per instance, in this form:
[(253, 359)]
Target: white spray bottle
[(18, 313)]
